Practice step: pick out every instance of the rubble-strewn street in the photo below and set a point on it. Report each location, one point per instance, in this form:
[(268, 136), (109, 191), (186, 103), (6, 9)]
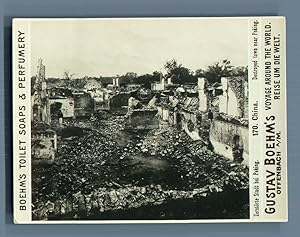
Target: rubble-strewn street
[(102, 167)]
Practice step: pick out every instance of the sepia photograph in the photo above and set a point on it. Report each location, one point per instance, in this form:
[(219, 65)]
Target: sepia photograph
[(139, 119)]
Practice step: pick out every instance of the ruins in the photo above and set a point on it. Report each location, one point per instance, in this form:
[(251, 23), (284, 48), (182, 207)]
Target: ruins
[(170, 143), (44, 138)]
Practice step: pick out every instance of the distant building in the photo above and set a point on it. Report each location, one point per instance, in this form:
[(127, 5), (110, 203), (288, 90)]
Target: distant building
[(159, 86), (162, 84), (116, 82), (111, 87), (133, 87)]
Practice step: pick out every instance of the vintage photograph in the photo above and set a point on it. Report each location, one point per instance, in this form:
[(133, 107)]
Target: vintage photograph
[(139, 119)]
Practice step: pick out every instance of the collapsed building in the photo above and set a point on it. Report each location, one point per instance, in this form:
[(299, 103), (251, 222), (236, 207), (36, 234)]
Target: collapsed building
[(40, 109), (133, 87), (214, 113), (181, 112), (141, 117), (61, 104), (44, 138), (229, 132), (128, 162), (217, 114), (111, 101)]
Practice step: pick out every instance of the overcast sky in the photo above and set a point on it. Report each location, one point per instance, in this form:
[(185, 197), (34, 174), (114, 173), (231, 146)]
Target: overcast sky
[(116, 46)]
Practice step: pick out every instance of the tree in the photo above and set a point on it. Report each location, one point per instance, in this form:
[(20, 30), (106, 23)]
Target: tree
[(147, 79), (67, 75), (241, 71), (156, 75), (178, 73), (77, 83), (171, 65), (129, 77), (214, 72)]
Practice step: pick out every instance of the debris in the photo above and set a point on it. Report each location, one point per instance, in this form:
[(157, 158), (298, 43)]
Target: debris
[(110, 168)]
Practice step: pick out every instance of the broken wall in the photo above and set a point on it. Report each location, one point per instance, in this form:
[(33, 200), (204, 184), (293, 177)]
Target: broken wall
[(234, 100), (190, 125), (40, 107), (229, 103), (166, 116), (83, 104), (202, 94), (142, 119), (222, 137), (119, 100), (67, 106), (43, 146)]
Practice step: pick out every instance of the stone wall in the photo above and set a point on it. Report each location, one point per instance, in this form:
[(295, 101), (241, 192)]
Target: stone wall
[(142, 119), (223, 135)]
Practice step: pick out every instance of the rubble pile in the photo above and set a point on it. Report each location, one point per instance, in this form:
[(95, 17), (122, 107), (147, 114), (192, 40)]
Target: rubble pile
[(82, 163), (86, 162), (111, 126), (163, 142), (39, 125), (102, 115), (105, 123), (194, 163), (110, 168), (108, 199)]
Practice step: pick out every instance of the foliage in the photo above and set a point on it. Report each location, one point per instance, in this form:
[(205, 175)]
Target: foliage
[(147, 79), (178, 73), (128, 78), (220, 69), (77, 83), (174, 70), (68, 75)]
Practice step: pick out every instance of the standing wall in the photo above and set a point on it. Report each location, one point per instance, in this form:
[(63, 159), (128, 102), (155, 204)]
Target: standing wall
[(222, 135)]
